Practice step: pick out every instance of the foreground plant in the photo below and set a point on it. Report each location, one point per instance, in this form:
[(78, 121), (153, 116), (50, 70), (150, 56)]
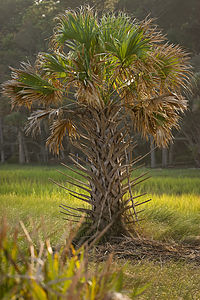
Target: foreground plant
[(41, 273), (120, 72)]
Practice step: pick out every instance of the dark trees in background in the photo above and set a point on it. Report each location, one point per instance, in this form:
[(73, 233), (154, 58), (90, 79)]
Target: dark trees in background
[(191, 125), (164, 157), (24, 29), (180, 19), (191, 131)]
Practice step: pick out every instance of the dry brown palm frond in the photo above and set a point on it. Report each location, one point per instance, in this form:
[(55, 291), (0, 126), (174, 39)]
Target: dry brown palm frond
[(90, 96), (151, 31), (160, 73), (159, 115), (164, 66), (173, 67), (33, 124), (58, 131)]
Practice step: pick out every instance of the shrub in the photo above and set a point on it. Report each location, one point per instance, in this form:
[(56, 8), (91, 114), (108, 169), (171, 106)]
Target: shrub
[(43, 273)]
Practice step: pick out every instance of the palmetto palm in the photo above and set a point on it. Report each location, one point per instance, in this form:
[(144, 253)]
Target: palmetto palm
[(118, 69)]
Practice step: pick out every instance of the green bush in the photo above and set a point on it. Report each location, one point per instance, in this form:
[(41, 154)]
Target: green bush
[(43, 273)]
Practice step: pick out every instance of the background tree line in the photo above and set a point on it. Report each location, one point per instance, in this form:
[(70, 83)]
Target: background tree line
[(25, 29)]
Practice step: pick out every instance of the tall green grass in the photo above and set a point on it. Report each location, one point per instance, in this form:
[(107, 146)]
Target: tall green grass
[(26, 193), (35, 179), (168, 280), (172, 217)]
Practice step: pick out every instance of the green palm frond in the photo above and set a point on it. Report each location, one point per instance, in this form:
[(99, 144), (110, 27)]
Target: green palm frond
[(124, 42), (27, 86), (54, 65), (76, 28), (114, 28), (135, 44), (127, 39)]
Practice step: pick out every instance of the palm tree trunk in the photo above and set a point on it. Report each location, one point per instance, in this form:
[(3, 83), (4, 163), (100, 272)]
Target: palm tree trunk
[(105, 142), (106, 162)]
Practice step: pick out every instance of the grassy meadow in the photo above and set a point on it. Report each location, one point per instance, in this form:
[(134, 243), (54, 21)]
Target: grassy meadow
[(27, 194), (173, 215)]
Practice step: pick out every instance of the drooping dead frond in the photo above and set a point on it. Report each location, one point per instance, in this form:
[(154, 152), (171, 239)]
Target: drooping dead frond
[(58, 131), (89, 96), (34, 121), (159, 115)]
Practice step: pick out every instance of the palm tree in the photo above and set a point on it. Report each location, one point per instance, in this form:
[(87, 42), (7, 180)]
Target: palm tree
[(120, 72)]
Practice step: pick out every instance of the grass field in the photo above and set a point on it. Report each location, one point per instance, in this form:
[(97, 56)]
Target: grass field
[(173, 215)]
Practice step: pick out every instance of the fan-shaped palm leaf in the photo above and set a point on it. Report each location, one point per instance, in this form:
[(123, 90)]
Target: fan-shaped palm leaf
[(54, 65), (28, 86), (75, 29)]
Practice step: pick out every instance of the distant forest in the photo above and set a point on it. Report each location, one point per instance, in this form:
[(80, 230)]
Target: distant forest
[(25, 29)]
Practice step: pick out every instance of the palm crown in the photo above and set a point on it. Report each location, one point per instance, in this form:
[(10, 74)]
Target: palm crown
[(112, 59)]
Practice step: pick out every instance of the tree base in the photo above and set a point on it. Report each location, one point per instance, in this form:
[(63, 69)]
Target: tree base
[(86, 234)]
